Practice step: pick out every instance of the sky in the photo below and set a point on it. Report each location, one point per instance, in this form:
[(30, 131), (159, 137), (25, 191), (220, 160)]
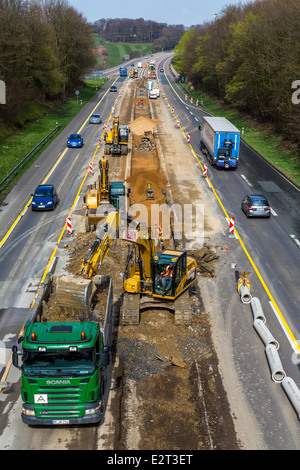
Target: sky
[(186, 12)]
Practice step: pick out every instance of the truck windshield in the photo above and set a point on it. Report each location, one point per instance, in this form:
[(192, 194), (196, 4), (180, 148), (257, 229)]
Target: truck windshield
[(59, 362)]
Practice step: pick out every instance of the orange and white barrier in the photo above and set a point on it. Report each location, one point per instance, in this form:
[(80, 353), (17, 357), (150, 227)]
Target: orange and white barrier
[(91, 167), (69, 225), (231, 226), (205, 170), (189, 138)]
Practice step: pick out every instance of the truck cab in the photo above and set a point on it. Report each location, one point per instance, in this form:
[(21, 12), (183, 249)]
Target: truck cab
[(62, 371)]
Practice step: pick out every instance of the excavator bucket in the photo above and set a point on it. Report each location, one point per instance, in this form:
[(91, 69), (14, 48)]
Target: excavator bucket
[(74, 295)]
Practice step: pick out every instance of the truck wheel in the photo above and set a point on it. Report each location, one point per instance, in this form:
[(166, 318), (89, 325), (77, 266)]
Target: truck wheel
[(226, 165)]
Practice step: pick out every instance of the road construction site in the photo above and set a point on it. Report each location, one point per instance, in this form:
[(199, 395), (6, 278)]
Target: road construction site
[(165, 389), (195, 380)]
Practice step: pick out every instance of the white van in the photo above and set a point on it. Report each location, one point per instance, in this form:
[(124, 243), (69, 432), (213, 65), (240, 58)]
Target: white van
[(153, 94)]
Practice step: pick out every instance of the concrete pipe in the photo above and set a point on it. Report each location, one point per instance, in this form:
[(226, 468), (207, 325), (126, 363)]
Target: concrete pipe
[(265, 333), (257, 309), (277, 371), (292, 392), (245, 294)]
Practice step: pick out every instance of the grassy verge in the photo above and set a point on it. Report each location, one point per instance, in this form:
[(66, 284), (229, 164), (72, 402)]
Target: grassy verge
[(117, 50), (15, 147), (260, 137)]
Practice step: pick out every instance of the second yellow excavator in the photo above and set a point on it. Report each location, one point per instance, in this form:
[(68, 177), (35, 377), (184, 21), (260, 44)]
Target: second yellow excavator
[(103, 197), (159, 279), (116, 140)]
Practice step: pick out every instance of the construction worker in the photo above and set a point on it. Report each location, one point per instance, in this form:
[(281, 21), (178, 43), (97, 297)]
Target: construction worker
[(167, 276)]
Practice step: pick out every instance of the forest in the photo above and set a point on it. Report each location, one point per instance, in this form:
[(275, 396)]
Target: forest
[(160, 35), (45, 48), (249, 57)]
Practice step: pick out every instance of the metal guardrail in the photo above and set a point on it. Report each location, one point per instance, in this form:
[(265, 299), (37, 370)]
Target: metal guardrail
[(29, 155)]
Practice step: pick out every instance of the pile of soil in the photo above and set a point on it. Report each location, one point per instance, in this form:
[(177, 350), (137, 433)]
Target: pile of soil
[(143, 124)]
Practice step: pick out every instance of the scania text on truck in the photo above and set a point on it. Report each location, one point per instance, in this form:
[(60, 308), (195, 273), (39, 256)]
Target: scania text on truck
[(220, 142)]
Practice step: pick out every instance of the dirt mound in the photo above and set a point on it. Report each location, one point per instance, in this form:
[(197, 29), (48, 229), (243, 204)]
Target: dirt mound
[(142, 124)]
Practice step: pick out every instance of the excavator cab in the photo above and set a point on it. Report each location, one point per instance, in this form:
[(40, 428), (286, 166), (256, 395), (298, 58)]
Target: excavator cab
[(170, 268)]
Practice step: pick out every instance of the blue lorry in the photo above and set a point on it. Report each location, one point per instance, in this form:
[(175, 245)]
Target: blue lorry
[(220, 142), (123, 71)]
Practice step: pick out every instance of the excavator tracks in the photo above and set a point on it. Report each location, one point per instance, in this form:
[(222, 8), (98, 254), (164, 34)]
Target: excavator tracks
[(183, 311), (131, 309)]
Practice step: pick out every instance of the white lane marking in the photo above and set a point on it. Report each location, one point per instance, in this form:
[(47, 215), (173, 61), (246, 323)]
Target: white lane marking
[(293, 237), (248, 182), (292, 343), (273, 212)]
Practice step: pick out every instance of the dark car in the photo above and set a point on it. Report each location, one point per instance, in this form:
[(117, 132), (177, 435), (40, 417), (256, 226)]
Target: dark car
[(44, 198), (75, 140), (162, 70), (256, 205), (95, 119), (113, 88)]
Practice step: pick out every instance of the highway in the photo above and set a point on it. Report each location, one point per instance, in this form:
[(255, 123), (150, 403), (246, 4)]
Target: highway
[(268, 249)]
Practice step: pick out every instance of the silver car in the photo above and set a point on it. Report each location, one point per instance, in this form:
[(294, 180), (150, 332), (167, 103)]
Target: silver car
[(95, 119), (256, 205)]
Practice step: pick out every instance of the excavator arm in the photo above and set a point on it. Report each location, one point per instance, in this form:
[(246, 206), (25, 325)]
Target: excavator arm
[(101, 246)]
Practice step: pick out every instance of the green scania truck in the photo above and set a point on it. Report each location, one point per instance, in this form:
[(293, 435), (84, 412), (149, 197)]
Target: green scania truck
[(63, 368)]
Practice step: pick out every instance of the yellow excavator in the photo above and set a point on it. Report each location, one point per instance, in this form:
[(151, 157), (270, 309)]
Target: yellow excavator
[(158, 279), (116, 140), (102, 197)]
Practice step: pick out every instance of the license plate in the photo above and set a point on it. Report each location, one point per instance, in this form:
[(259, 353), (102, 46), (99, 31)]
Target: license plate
[(60, 421), (42, 205)]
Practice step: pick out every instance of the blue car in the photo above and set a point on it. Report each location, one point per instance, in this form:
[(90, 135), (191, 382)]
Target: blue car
[(75, 140), (45, 198)]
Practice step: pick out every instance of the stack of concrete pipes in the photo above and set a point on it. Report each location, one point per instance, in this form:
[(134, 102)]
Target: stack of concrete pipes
[(271, 348)]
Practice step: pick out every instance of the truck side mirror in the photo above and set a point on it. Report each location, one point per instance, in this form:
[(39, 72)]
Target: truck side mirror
[(105, 359), (15, 358)]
